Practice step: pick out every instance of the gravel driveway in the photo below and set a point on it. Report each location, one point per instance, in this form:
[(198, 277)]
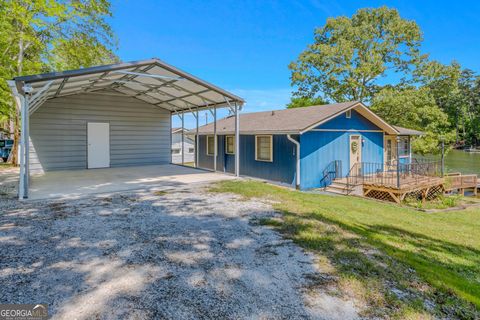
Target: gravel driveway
[(179, 254)]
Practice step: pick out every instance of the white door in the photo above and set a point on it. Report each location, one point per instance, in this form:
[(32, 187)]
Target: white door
[(355, 151), (98, 140)]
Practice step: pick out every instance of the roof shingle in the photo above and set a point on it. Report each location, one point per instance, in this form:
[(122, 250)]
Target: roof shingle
[(285, 121)]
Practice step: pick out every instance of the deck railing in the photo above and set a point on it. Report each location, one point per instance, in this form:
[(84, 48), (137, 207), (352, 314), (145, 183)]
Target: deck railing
[(393, 175)]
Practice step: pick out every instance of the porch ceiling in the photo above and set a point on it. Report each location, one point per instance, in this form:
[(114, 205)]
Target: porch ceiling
[(152, 81)]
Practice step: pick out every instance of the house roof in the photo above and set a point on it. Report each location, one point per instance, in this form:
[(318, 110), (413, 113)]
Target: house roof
[(298, 120), (152, 81), (179, 129), (408, 132)]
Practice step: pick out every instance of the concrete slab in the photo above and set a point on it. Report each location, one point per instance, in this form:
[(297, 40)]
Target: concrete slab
[(74, 184)]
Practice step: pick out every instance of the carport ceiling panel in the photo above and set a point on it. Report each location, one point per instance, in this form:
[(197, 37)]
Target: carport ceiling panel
[(212, 95), (135, 86), (162, 72), (147, 98), (173, 92), (196, 100), (191, 86)]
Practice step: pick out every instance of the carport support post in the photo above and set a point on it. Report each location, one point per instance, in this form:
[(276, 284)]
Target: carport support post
[(215, 138), (27, 147), (237, 141), (183, 139), (196, 142), (24, 150)]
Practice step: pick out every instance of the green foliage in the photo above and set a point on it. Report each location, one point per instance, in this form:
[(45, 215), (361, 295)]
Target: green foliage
[(299, 102), (415, 108), (350, 55)]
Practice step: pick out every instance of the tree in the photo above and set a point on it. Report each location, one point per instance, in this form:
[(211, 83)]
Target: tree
[(298, 102), (350, 55), (39, 35), (415, 108), (457, 93)]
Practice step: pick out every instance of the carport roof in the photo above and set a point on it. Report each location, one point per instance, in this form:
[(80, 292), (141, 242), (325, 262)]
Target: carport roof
[(152, 81)]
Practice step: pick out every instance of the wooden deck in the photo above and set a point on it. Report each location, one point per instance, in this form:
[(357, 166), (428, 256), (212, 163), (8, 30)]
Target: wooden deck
[(419, 180), (455, 181), (421, 187)]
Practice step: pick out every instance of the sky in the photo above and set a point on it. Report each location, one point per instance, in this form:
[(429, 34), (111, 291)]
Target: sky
[(245, 46)]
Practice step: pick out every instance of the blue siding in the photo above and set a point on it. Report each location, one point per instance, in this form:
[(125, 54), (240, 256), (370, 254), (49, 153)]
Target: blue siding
[(282, 168), (356, 122), (319, 148)]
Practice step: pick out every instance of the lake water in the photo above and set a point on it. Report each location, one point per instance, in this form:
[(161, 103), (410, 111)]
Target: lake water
[(460, 161), (464, 162)]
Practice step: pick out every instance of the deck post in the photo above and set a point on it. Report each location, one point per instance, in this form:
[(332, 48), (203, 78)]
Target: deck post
[(398, 162), (443, 156), (237, 141)]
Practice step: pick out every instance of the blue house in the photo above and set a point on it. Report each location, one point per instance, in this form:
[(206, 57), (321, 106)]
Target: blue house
[(303, 146)]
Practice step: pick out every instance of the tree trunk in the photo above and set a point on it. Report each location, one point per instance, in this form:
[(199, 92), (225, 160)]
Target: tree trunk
[(16, 120), (16, 136)]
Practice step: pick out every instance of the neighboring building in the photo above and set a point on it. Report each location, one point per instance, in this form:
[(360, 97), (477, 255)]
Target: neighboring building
[(273, 144), (188, 146)]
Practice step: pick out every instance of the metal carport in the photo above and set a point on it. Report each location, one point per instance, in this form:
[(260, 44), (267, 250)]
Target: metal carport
[(150, 81)]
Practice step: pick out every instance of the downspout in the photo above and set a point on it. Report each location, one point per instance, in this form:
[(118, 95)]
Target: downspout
[(297, 144)]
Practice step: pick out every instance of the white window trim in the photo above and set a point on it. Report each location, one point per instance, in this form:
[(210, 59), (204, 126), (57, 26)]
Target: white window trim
[(179, 151), (206, 151), (226, 144), (271, 147), (348, 114)]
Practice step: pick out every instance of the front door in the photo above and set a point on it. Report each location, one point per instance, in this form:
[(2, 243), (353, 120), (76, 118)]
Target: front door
[(98, 142), (355, 151)]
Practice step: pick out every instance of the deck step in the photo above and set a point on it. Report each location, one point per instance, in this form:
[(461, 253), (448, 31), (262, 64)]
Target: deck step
[(336, 191), (339, 188)]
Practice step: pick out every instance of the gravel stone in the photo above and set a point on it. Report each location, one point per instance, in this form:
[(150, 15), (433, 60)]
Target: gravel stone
[(179, 254)]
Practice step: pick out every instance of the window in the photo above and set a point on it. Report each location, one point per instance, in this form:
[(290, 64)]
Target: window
[(348, 114), (210, 145), (230, 145), (191, 150), (404, 147), (176, 151), (263, 148)]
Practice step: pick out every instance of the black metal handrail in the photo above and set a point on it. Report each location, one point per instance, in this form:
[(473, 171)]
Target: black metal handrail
[(332, 171), (393, 175)]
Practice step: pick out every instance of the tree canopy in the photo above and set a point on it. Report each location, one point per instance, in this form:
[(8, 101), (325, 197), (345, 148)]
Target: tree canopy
[(298, 102), (46, 35), (350, 55)]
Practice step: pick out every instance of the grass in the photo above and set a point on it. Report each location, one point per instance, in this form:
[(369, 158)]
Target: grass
[(391, 260), (4, 165)]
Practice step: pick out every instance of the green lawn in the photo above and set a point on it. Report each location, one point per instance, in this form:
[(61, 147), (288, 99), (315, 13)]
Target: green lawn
[(372, 247)]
